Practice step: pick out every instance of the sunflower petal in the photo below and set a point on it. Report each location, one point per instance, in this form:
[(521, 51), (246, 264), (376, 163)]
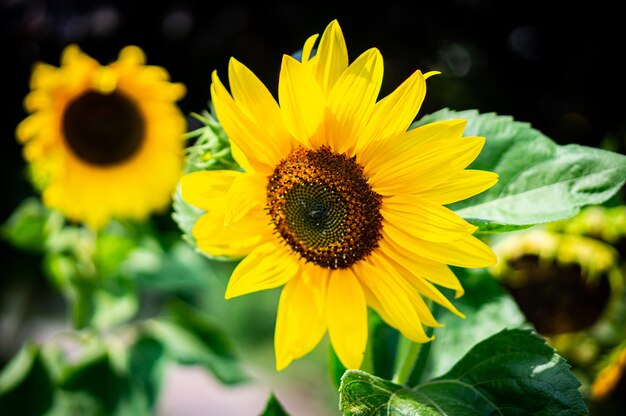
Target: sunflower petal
[(247, 192), (332, 56), (393, 114), (301, 319), (254, 99), (301, 100), (391, 300), (346, 315), (434, 272), (253, 141), (425, 167), (352, 100), (377, 152), (266, 267), (203, 187), (308, 48), (463, 185), (215, 238), (424, 219), (467, 251)]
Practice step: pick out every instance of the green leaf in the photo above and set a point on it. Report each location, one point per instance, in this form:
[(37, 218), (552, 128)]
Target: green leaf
[(97, 376), (539, 180), (488, 309), (511, 373), (192, 338), (26, 387), (273, 407), (29, 225)]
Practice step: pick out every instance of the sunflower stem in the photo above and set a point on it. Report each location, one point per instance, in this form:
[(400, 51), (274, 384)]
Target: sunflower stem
[(406, 357)]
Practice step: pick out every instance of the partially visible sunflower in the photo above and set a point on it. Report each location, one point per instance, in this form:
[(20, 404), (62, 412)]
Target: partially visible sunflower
[(103, 141), (337, 201)]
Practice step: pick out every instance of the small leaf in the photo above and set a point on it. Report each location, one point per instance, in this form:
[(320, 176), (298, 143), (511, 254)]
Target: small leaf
[(511, 373), (539, 181), (96, 375), (273, 407), (29, 225), (26, 387)]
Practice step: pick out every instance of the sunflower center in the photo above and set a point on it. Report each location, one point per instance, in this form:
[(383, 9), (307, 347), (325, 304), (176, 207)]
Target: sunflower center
[(323, 207), (103, 129)]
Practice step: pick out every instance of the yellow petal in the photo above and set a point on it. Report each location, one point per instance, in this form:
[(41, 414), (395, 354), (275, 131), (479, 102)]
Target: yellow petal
[(426, 166), (424, 219), (467, 251), (393, 114), (253, 141), (390, 299), (308, 48), (377, 152), (236, 240), (301, 100), (352, 100), (437, 273), (332, 57), (266, 267), (203, 187), (253, 98), (463, 185), (346, 315), (246, 193), (301, 319)]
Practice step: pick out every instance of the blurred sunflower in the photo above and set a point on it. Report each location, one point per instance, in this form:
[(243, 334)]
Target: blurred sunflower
[(103, 141), (337, 201), (562, 282)]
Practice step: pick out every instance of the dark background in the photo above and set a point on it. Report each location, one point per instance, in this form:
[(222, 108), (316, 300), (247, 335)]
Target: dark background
[(555, 65), (551, 64)]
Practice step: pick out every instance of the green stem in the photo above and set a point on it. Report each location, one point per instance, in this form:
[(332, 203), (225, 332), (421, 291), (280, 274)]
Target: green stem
[(411, 357), (405, 359)]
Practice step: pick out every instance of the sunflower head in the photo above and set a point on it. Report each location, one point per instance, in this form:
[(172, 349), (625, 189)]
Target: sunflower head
[(103, 141), (562, 282), (337, 200)]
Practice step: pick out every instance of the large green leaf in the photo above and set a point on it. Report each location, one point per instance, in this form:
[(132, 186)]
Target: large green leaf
[(511, 373), (540, 181)]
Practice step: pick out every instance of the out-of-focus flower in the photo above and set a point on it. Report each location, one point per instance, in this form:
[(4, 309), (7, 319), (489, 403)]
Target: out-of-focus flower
[(612, 372), (561, 282), (103, 141)]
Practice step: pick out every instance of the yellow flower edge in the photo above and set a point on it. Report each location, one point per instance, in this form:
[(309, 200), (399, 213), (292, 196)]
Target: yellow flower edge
[(338, 202), (103, 142)]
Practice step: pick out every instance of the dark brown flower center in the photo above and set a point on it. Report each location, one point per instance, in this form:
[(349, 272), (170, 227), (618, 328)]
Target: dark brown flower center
[(323, 207), (103, 129)]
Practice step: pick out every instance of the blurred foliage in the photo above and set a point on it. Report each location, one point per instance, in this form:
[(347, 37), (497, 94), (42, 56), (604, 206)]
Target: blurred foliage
[(114, 359)]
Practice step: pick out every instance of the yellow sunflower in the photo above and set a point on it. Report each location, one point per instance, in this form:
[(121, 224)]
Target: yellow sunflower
[(337, 201), (103, 141)]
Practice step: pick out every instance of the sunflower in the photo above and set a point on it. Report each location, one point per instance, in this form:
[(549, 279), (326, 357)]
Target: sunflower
[(103, 141), (337, 201)]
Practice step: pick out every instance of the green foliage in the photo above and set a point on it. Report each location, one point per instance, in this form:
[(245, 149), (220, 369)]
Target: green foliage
[(273, 407), (511, 373), (193, 338), (29, 225), (488, 309), (211, 151), (25, 384), (539, 180)]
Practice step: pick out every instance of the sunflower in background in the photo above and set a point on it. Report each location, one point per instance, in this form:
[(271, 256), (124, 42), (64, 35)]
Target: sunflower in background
[(103, 141)]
